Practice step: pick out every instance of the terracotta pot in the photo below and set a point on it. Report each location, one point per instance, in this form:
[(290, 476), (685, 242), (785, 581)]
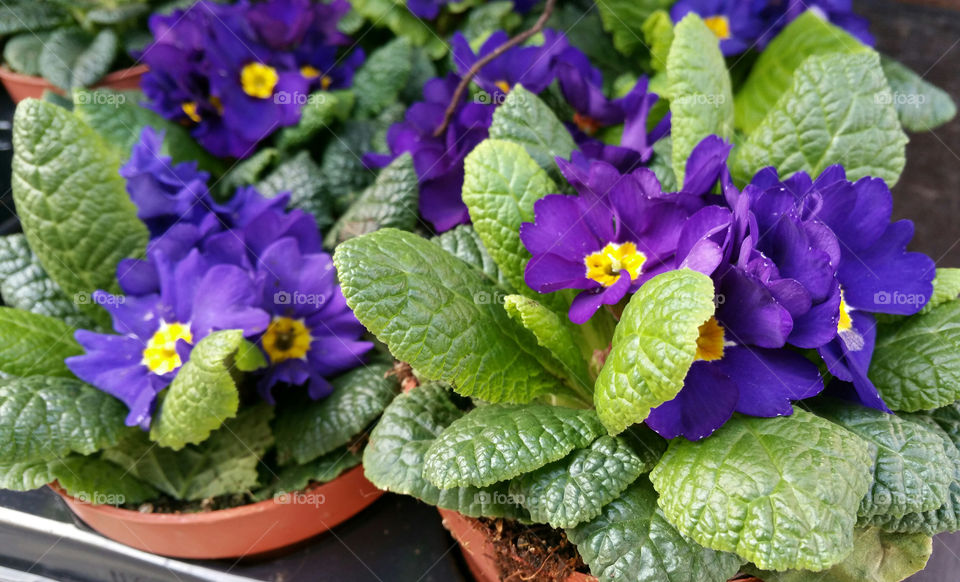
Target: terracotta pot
[(22, 87), (236, 532)]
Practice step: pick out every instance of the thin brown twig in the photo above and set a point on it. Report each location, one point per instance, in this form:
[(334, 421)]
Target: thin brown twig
[(472, 72)]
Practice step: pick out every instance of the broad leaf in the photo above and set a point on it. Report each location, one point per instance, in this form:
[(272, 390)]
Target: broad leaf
[(631, 541), (304, 180), (73, 57), (500, 441), (877, 556), (831, 115), (320, 470), (524, 119), (623, 20), (22, 53), (344, 172), (94, 480), (35, 345), (307, 431), (390, 202), (379, 81), (224, 463), (28, 475), (29, 16), (772, 75), (554, 335), (322, 109), (780, 492), (71, 200), (437, 313), (464, 243), (653, 347), (921, 106), (916, 365), (393, 458), (47, 418), (202, 395), (912, 473), (575, 488), (698, 85), (946, 287), (658, 34), (396, 17)]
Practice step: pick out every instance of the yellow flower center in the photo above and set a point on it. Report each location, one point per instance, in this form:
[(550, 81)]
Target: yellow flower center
[(325, 82), (720, 25), (160, 355), (503, 86), (309, 72), (286, 339), (710, 342), (846, 322), (190, 108), (258, 80), (606, 265), (217, 104)]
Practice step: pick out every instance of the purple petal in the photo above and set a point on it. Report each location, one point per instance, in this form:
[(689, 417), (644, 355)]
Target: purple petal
[(768, 380), (707, 400)]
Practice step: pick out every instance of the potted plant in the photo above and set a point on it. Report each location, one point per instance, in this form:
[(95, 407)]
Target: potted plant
[(57, 46), (184, 369), (718, 362)]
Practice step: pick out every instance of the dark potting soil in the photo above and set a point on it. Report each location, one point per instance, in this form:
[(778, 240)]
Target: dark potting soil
[(167, 504), (532, 552)]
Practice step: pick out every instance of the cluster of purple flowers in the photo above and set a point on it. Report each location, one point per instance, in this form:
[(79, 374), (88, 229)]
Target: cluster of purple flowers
[(439, 159), (245, 264), (750, 24), (237, 72), (798, 264)]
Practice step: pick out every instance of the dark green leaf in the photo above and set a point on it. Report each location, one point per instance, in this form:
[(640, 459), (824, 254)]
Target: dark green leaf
[(22, 53), (303, 179), (524, 119), (35, 345), (72, 57), (93, 480), (322, 109)]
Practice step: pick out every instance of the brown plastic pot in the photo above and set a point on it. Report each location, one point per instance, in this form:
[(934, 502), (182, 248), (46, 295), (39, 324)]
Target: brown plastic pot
[(236, 532), (22, 87)]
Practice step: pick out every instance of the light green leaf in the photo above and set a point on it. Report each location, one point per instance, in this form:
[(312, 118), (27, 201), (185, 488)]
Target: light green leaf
[(631, 541), (877, 556), (223, 464), (29, 16), (623, 20), (393, 458), (488, 17), (395, 16), (304, 180), (249, 357), (500, 441), (440, 315), (912, 471), (28, 475), (35, 345), (526, 120), (575, 488), (320, 470), (698, 86), (916, 365), (305, 431), (72, 57), (653, 347), (554, 335), (658, 33), (772, 75), (464, 243), (921, 106), (202, 395), (22, 53), (833, 114), (72, 203), (390, 202), (779, 492), (322, 109), (93, 480), (47, 418), (946, 287)]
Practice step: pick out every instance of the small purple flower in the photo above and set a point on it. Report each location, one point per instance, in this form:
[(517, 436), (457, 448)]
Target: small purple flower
[(837, 12), (739, 24), (620, 231)]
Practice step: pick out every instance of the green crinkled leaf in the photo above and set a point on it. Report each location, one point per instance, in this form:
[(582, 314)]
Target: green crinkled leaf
[(631, 541), (119, 118), (28, 475), (395, 16), (320, 470), (658, 34), (322, 109), (305, 431), (623, 20), (524, 119), (117, 14), (379, 81), (390, 202), (35, 345), (202, 395), (916, 365), (29, 16), (94, 480), (436, 312), (946, 287), (653, 347), (772, 75), (247, 171), (489, 17), (831, 115), (553, 334), (72, 57), (877, 556), (662, 164), (575, 489), (912, 472), (22, 53), (921, 106), (71, 201), (393, 458), (500, 185), (464, 243), (343, 170), (47, 418), (303, 179), (224, 463), (699, 89), (779, 492), (501, 441)]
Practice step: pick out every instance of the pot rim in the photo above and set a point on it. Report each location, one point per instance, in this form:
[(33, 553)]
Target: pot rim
[(119, 75)]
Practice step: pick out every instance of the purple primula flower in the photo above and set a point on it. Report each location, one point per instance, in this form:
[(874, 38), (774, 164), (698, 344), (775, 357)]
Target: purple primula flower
[(739, 24), (429, 9), (155, 333), (837, 12), (438, 160), (620, 231)]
